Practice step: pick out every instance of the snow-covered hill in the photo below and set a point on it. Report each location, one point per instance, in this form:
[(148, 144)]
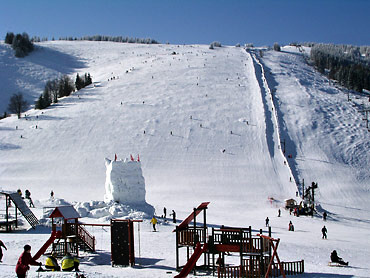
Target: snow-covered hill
[(206, 130)]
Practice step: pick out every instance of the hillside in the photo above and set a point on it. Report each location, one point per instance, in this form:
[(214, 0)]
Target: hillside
[(225, 142)]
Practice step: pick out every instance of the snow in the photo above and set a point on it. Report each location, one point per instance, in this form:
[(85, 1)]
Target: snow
[(124, 182), (210, 100)]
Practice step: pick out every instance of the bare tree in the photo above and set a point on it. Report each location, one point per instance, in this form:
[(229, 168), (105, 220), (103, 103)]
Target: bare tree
[(17, 104)]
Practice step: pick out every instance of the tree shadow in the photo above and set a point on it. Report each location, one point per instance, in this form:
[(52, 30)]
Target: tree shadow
[(8, 146), (55, 60)]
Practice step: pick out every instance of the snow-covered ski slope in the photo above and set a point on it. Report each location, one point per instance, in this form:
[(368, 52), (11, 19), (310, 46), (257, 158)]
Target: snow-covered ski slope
[(204, 97), (224, 147)]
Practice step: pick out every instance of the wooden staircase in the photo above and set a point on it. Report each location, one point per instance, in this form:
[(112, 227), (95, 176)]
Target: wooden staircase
[(85, 240)]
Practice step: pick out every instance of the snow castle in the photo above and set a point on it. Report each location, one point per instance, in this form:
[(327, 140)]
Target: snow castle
[(124, 182)]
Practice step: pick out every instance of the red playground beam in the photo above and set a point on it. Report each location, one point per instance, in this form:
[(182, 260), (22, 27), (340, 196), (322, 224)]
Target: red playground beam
[(190, 218), (274, 254)]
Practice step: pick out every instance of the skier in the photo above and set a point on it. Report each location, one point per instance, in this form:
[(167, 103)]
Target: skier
[(154, 222), (324, 231), (52, 195), (279, 213), (173, 216), (28, 196), (52, 263), (1, 250), (20, 193), (267, 221), (164, 212), (70, 263), (24, 261), (335, 259), (324, 215), (291, 226)]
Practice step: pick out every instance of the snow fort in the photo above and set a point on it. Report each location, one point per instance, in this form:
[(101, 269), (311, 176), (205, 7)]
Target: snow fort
[(124, 182)]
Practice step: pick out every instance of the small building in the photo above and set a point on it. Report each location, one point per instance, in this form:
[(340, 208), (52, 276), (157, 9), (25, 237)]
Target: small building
[(73, 235), (290, 203), (61, 217)]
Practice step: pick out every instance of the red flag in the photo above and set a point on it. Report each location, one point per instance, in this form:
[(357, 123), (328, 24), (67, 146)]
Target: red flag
[(138, 158), (115, 157), (132, 159)]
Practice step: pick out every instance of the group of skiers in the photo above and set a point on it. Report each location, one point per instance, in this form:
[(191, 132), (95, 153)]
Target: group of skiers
[(27, 194), (154, 220)]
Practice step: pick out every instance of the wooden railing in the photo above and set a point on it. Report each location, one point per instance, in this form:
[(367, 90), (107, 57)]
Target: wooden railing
[(229, 272), (253, 268), (290, 268), (243, 238), (59, 248), (84, 236), (188, 237)]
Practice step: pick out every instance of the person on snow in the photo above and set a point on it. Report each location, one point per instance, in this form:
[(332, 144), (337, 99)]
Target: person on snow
[(164, 212), (24, 262), (1, 250), (70, 263), (220, 261), (154, 222), (52, 263), (20, 193), (173, 216), (267, 221), (335, 259), (291, 226), (324, 231), (52, 195), (28, 196), (324, 215), (279, 213)]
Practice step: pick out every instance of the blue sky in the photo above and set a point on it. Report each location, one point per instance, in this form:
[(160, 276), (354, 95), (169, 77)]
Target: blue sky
[(261, 22)]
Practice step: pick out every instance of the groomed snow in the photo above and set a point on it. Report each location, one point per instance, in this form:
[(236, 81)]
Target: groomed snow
[(224, 148)]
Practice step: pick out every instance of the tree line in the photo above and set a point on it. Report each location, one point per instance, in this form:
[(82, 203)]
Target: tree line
[(20, 43), (62, 87), (111, 39), (348, 64)]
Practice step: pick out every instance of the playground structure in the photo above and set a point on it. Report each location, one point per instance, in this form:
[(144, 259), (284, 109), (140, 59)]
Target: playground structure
[(257, 253), (68, 234), (122, 242), (9, 221)]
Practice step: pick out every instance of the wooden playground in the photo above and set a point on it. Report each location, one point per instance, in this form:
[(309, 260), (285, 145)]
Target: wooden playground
[(257, 252)]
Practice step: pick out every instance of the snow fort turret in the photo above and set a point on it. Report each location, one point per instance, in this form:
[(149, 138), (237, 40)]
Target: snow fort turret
[(124, 182)]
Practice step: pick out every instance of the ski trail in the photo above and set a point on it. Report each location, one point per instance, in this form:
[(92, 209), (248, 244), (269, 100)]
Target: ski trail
[(271, 118)]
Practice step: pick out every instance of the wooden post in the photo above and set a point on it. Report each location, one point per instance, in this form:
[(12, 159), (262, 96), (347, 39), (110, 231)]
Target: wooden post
[(269, 242), (205, 237), (16, 215), (262, 260), (7, 212), (195, 235), (177, 248), (241, 249)]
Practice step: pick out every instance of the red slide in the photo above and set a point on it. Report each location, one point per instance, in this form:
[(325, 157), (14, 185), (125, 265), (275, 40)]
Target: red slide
[(192, 261), (42, 250)]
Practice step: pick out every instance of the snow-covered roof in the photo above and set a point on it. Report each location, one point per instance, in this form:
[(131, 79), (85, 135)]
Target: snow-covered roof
[(67, 212)]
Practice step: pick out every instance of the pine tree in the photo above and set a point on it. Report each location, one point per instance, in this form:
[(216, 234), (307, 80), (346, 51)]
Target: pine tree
[(78, 82), (9, 38)]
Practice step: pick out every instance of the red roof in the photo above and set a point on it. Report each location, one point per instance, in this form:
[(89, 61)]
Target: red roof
[(66, 212)]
